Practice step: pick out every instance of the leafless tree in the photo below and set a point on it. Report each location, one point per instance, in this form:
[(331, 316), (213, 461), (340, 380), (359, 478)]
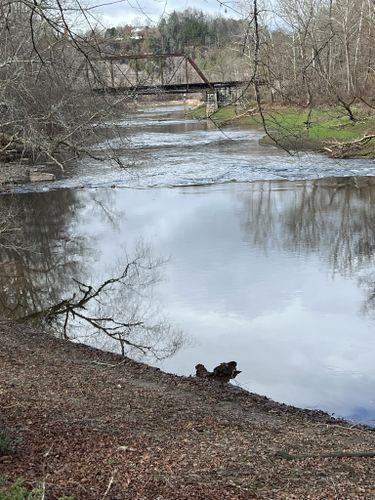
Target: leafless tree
[(48, 111), (313, 51), (120, 308)]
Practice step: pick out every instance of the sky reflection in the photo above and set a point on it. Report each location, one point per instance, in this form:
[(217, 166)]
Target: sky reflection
[(246, 283), (276, 275)]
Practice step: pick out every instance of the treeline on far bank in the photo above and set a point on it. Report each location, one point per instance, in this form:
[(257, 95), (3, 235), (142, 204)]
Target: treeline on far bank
[(189, 31)]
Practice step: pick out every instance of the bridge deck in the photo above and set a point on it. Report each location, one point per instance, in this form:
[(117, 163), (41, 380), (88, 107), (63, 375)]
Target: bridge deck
[(179, 88)]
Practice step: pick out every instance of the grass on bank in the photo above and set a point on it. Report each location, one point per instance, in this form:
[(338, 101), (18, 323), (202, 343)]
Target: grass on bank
[(17, 491), (294, 129)]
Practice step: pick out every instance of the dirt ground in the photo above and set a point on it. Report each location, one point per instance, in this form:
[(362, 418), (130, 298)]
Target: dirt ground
[(93, 425)]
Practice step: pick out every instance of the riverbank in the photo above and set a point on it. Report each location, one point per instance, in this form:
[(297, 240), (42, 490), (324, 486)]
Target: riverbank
[(326, 129), (91, 425), (15, 173)]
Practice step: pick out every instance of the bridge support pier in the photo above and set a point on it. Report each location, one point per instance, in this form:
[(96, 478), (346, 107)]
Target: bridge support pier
[(212, 103), (220, 97)]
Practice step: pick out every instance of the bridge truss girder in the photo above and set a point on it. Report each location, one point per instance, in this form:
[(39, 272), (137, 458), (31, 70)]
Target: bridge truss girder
[(133, 71)]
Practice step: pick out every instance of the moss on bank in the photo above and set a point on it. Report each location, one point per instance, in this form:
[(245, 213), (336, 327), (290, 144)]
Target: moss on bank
[(295, 128)]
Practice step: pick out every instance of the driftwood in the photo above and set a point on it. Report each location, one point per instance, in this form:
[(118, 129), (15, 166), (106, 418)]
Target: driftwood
[(332, 454), (343, 149), (222, 373)]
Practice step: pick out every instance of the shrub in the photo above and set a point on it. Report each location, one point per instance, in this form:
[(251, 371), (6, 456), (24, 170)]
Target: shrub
[(6, 442), (17, 491)]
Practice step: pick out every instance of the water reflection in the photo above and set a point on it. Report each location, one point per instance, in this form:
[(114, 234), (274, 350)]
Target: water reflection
[(334, 216), (41, 255), (271, 274), (45, 256), (276, 275), (119, 311)]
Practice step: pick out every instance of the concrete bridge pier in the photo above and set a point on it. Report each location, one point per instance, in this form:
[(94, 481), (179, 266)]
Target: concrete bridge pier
[(212, 103), (218, 98)]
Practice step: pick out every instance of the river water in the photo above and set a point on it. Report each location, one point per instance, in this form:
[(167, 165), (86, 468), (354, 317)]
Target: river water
[(269, 258)]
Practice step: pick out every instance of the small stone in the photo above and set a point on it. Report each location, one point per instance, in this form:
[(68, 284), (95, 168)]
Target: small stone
[(41, 177)]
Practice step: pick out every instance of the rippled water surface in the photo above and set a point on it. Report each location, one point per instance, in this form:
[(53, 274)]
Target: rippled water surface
[(161, 148), (275, 270)]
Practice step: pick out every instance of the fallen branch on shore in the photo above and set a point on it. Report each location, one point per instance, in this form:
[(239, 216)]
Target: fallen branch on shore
[(333, 454), (343, 149)]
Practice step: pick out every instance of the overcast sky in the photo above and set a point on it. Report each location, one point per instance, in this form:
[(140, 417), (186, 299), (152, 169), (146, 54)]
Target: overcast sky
[(147, 11)]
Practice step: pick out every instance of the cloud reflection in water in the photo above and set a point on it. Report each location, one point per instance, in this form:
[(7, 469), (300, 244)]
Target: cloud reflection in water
[(271, 274)]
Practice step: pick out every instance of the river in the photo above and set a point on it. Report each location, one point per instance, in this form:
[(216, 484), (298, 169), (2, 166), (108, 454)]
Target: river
[(269, 258)]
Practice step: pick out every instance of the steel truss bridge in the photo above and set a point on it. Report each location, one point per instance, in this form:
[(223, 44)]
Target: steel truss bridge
[(151, 74)]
